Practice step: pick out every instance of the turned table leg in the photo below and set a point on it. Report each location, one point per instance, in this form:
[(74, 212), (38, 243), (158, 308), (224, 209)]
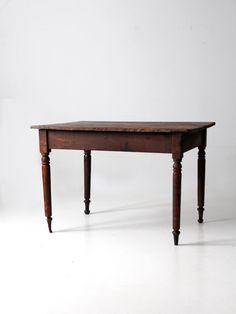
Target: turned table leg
[(201, 181), (47, 188), (176, 198), (87, 180)]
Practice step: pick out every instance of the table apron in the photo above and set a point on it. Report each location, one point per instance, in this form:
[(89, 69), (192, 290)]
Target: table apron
[(110, 141)]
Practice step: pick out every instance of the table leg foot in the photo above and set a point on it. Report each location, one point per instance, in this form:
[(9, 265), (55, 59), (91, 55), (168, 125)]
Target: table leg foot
[(87, 211), (200, 214), (49, 221), (176, 237)]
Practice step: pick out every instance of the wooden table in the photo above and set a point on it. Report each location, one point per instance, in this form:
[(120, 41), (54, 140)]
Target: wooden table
[(154, 137)]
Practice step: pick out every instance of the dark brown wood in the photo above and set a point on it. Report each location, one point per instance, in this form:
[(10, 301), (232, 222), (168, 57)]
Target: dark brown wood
[(159, 137), (191, 140), (87, 180), (111, 141), (176, 198), (201, 176), (47, 189), (201, 182), (177, 155), (117, 126), (46, 176)]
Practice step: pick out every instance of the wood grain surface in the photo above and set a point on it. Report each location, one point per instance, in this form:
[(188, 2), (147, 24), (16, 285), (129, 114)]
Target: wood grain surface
[(116, 126)]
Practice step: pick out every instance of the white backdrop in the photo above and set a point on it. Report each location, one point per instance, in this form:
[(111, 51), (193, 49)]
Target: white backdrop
[(115, 60), (158, 60)]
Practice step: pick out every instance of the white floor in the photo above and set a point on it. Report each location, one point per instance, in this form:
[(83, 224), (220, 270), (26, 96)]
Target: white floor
[(119, 260)]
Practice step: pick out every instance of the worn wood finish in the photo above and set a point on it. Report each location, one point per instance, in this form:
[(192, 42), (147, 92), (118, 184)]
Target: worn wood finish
[(111, 141), (177, 155), (47, 188), (176, 198), (201, 182), (117, 126), (201, 176), (87, 180), (46, 176), (159, 137)]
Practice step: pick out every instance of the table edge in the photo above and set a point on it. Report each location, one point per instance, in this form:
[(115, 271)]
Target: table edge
[(118, 129)]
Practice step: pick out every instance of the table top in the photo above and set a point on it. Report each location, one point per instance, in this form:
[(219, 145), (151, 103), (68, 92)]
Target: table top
[(118, 126)]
